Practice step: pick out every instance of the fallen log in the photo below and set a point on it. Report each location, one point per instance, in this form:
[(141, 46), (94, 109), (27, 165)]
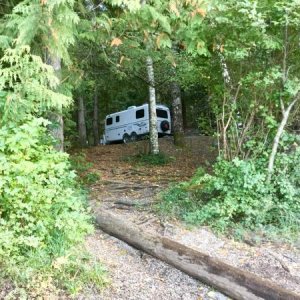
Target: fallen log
[(235, 283)]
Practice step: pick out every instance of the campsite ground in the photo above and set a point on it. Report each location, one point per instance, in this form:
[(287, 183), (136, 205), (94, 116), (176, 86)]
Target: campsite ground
[(135, 275)]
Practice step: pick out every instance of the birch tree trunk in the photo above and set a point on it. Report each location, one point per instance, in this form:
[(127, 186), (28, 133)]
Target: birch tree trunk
[(56, 117), (285, 116), (81, 123), (154, 148), (96, 119), (177, 120)]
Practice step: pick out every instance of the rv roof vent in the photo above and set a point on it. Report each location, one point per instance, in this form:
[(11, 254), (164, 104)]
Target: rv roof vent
[(130, 107)]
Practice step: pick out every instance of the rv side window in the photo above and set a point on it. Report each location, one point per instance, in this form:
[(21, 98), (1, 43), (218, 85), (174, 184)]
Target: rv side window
[(109, 121), (140, 114), (161, 113), (117, 119)]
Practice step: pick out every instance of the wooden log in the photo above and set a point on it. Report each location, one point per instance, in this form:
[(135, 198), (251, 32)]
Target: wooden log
[(235, 283)]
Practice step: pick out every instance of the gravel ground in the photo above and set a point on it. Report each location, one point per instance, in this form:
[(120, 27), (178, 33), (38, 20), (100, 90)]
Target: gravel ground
[(280, 264), (138, 276)]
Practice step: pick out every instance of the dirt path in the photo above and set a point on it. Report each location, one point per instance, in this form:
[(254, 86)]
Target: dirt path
[(137, 276)]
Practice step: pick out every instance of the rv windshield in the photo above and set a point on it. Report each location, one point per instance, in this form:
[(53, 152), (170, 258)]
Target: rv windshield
[(162, 113)]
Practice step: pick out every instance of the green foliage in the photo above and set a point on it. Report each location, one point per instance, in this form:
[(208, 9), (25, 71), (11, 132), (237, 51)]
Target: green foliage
[(42, 214), (238, 195), (206, 124), (249, 75), (159, 159), (39, 276), (91, 178), (79, 163), (40, 204), (82, 167), (27, 85), (77, 270), (48, 23)]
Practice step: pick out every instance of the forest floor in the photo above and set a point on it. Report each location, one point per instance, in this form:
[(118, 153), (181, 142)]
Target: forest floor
[(135, 275)]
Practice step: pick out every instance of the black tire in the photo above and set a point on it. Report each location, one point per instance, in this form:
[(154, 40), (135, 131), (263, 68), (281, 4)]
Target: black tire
[(126, 138), (164, 126), (133, 137)]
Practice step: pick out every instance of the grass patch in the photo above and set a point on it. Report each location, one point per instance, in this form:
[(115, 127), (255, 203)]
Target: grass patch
[(159, 159), (40, 276)]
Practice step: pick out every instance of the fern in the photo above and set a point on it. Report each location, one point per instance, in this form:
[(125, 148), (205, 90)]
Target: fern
[(27, 85), (52, 22)]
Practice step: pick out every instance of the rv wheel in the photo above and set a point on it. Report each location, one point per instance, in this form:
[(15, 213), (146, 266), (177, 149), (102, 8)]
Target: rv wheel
[(133, 137), (164, 126), (126, 138)]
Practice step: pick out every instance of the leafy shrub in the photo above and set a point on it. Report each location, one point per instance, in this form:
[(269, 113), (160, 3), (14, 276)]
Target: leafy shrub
[(40, 205), (42, 210), (238, 194)]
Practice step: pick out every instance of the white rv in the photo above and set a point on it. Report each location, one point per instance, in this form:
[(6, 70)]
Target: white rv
[(130, 124)]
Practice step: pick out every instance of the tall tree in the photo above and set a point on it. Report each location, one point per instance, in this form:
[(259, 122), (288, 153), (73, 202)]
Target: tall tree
[(177, 121), (154, 147), (96, 117), (56, 116), (81, 122)]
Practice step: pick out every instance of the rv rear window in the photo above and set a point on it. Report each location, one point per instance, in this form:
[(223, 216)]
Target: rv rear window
[(109, 121), (117, 119), (162, 113), (140, 114)]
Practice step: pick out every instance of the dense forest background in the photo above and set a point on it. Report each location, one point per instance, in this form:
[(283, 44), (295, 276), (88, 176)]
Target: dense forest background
[(229, 69)]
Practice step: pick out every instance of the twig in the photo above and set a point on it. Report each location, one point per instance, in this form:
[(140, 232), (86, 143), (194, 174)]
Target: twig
[(144, 202)]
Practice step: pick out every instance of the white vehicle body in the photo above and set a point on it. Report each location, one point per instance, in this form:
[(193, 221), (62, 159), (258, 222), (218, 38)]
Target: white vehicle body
[(132, 123)]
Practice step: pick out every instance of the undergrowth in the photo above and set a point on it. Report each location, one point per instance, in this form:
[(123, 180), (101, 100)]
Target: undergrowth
[(159, 159), (238, 199), (43, 217), (39, 275), (82, 167)]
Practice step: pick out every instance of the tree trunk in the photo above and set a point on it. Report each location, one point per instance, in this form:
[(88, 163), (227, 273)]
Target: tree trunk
[(96, 119), (183, 103), (154, 148), (177, 120), (56, 117), (81, 123), (229, 280)]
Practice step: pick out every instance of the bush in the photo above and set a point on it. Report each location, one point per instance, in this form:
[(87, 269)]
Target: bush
[(239, 195), (42, 209), (40, 204)]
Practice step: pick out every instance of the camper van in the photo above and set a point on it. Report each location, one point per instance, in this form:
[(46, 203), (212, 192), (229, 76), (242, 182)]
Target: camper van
[(130, 124)]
